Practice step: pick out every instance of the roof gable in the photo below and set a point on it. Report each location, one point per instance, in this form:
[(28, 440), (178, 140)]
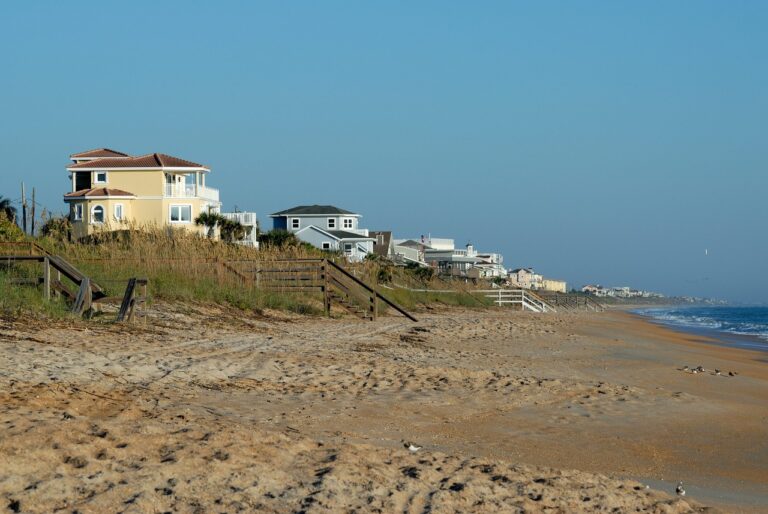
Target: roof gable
[(99, 192), (314, 210), (151, 161), (98, 153)]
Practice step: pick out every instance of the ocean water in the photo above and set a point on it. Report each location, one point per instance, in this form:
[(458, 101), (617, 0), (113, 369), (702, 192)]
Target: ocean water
[(741, 326)]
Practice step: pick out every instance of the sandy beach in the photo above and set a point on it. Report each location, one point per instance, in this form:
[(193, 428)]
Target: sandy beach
[(200, 410)]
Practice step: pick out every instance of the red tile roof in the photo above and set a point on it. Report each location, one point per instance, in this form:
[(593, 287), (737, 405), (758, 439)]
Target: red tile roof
[(98, 193), (98, 153), (152, 160)]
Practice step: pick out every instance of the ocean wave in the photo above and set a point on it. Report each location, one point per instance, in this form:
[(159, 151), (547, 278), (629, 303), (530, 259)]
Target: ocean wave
[(746, 321)]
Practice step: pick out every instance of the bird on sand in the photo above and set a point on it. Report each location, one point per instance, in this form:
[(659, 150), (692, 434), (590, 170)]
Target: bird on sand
[(679, 489), (717, 371), (412, 447)]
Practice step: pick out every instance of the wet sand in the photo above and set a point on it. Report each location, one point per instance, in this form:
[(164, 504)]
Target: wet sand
[(202, 411)]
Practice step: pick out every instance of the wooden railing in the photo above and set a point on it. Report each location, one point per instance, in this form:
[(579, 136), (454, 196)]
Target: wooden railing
[(527, 300), (324, 276), (572, 301)]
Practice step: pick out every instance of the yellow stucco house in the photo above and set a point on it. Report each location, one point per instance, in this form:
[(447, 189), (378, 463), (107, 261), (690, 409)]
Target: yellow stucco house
[(112, 190)]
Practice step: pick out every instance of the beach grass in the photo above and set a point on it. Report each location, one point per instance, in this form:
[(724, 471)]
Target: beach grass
[(184, 267)]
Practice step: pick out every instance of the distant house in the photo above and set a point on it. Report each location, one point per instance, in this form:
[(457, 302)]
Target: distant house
[(490, 265), (383, 244), (328, 228), (523, 277), (408, 251), (558, 286), (112, 190), (250, 223)]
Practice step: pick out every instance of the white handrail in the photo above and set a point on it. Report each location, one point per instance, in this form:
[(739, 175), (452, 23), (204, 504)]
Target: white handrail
[(519, 296)]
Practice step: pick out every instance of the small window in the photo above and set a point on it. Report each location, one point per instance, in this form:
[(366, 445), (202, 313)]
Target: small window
[(295, 222), (347, 223), (181, 213), (100, 177), (331, 222), (97, 214), (326, 245), (119, 212), (78, 211), (348, 248)]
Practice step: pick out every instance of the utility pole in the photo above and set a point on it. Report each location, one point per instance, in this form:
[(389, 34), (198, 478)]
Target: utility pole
[(33, 212), (23, 209)]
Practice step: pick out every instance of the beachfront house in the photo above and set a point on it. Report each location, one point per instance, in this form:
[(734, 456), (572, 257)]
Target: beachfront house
[(328, 228), (250, 224), (551, 284), (522, 277), (112, 190), (408, 251), (383, 244)]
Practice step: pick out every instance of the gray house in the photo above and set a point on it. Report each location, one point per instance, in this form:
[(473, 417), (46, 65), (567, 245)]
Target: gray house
[(326, 227)]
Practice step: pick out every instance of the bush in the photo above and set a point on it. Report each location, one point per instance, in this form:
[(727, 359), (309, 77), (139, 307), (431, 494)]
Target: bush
[(279, 239), (59, 229), (420, 272), (9, 231)]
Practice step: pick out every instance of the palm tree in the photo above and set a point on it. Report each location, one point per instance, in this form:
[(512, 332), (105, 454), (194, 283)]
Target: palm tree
[(7, 209), (209, 220), (231, 230)]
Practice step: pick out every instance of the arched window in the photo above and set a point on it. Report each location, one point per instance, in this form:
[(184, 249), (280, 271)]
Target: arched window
[(97, 214)]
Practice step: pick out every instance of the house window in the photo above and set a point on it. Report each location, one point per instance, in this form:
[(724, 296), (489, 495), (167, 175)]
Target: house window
[(331, 222), (119, 212), (326, 245), (295, 222), (348, 248), (78, 211), (347, 223), (100, 177), (181, 213), (97, 214)]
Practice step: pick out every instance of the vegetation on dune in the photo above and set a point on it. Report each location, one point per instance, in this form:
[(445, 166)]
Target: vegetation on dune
[(9, 231), (186, 267)]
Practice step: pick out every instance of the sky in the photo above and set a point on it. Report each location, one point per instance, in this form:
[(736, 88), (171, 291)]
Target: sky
[(620, 143)]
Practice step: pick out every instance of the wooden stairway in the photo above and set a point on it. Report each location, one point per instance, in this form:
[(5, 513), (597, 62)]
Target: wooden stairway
[(30, 251), (337, 285), (353, 294)]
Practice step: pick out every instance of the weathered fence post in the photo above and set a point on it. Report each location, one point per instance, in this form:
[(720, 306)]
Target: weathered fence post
[(326, 287), (46, 278)]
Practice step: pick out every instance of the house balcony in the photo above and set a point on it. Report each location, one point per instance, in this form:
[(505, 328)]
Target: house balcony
[(247, 219), (191, 191)]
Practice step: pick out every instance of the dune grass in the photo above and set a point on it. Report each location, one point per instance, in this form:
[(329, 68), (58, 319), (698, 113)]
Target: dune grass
[(183, 267)]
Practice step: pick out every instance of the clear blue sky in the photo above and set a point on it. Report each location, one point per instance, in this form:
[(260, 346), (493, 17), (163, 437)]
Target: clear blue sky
[(608, 142)]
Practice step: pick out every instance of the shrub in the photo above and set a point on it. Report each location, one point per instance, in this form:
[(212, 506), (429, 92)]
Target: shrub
[(279, 238), (422, 273), (59, 229), (9, 231)]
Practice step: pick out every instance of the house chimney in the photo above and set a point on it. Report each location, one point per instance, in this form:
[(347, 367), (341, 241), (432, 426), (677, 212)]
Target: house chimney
[(470, 250)]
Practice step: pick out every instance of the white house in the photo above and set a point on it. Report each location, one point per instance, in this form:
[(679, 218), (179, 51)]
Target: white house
[(328, 228), (250, 222)]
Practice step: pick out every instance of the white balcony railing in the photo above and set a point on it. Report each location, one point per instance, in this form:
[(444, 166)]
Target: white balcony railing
[(191, 191), (244, 218)]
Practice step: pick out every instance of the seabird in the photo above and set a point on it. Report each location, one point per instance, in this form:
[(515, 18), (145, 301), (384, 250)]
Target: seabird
[(679, 489), (717, 371), (412, 447), (700, 369), (686, 368)]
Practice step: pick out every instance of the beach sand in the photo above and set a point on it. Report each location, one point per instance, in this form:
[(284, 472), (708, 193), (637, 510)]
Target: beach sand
[(202, 410)]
